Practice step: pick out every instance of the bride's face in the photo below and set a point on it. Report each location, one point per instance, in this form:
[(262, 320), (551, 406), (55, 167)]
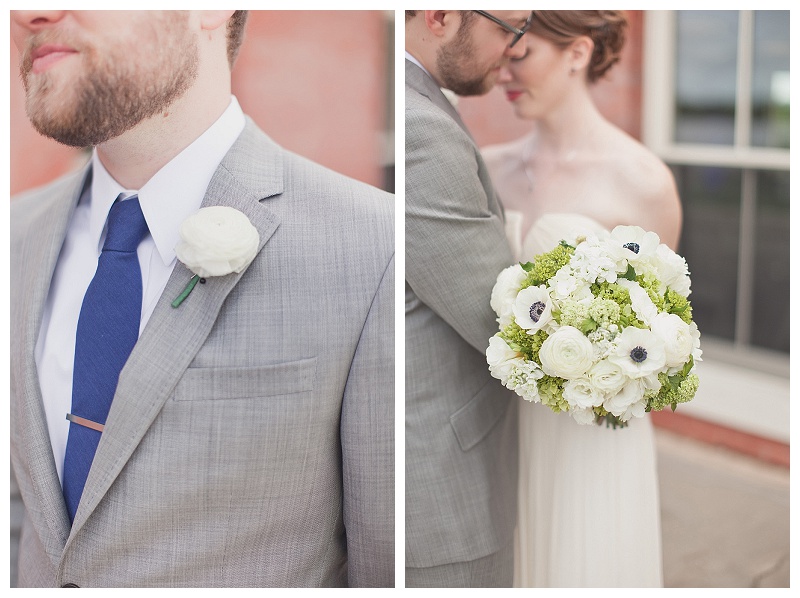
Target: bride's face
[(540, 79)]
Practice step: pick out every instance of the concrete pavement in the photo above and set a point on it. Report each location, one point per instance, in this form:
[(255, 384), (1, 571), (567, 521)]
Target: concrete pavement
[(725, 516)]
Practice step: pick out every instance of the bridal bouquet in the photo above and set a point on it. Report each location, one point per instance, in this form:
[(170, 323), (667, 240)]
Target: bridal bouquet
[(600, 328)]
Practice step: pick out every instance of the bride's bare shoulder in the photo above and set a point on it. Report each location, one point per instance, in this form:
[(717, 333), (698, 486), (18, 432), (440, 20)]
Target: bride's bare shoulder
[(642, 171)]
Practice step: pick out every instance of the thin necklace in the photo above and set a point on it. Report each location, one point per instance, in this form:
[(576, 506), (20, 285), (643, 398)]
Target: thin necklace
[(527, 153)]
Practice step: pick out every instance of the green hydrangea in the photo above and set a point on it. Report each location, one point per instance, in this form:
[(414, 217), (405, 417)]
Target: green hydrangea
[(544, 266), (572, 313), (651, 286), (677, 304), (519, 340), (674, 389), (604, 312), (551, 392)]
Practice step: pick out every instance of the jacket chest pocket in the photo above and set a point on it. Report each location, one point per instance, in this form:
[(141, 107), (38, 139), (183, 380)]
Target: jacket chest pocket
[(212, 384)]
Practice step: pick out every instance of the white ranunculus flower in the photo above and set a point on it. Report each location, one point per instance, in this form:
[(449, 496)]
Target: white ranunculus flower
[(673, 271), (500, 357), (566, 353), (532, 309), (638, 352), (505, 291), (580, 393), (679, 339), (642, 305), (607, 377), (583, 416), (216, 241)]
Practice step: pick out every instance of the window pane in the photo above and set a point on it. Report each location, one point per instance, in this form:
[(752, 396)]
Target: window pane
[(771, 79), (711, 200), (771, 277), (706, 76)]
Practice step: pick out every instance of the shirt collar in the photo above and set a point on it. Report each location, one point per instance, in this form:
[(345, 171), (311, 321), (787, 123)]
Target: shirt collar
[(176, 191), (418, 63)]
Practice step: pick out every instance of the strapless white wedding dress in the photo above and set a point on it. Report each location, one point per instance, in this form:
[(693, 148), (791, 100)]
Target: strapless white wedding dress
[(588, 512)]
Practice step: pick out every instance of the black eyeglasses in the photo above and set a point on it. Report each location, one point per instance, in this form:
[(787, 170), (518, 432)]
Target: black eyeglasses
[(518, 33)]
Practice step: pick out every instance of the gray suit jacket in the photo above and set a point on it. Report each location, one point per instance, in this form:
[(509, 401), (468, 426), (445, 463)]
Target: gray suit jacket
[(250, 441), (461, 431)]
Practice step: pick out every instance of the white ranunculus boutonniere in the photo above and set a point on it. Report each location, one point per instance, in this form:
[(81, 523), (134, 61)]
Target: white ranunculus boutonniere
[(215, 241)]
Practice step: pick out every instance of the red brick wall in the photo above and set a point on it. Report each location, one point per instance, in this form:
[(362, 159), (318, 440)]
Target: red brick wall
[(305, 78), (491, 119)]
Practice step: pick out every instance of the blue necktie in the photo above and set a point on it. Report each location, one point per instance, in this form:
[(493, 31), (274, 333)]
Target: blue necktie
[(108, 328)]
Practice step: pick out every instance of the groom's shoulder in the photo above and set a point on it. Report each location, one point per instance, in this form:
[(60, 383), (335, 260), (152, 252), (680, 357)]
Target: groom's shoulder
[(29, 205)]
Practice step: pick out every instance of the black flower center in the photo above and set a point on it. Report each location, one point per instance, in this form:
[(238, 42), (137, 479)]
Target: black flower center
[(638, 354), (536, 311), (634, 247)]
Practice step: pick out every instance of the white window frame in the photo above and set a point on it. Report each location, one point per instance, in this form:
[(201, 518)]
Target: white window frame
[(737, 372), (659, 94)]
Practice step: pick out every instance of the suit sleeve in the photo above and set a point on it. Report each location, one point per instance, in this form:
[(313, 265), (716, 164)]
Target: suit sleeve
[(367, 436), (455, 245)]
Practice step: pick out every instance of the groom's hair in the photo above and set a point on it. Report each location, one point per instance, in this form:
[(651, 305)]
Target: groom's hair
[(235, 34), (466, 18)]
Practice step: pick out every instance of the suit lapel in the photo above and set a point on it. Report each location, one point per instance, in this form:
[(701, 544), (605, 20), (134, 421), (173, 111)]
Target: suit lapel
[(42, 245), (423, 83), (173, 336)]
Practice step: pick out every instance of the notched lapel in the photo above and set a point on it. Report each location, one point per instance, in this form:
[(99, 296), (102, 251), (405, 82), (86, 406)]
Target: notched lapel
[(40, 247), (173, 336)]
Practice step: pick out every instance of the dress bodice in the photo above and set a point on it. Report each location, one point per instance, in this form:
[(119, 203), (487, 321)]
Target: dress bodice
[(546, 231)]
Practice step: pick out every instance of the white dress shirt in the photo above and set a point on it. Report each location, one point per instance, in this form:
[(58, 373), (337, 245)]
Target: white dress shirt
[(171, 195)]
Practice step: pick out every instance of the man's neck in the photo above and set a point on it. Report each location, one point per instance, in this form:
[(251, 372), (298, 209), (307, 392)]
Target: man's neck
[(136, 155)]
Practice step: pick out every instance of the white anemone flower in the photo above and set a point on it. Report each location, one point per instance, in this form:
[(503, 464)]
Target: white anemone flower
[(636, 243), (638, 352), (533, 309)]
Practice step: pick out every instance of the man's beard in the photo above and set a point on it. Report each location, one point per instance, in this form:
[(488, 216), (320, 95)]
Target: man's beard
[(114, 92), (455, 65)]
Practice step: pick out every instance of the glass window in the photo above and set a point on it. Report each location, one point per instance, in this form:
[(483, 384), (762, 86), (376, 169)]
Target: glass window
[(770, 308), (705, 76), (710, 243), (770, 90)]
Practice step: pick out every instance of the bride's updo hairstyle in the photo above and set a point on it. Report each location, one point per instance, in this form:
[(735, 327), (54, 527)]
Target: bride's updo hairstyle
[(606, 28)]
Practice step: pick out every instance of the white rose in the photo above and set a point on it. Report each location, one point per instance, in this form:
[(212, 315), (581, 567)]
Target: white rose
[(581, 394), (607, 377), (532, 309), (505, 291), (566, 353), (623, 402), (673, 271), (216, 241), (501, 358), (583, 416), (638, 352), (680, 340)]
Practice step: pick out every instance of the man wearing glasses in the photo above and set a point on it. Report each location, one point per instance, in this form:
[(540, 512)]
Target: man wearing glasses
[(461, 430)]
